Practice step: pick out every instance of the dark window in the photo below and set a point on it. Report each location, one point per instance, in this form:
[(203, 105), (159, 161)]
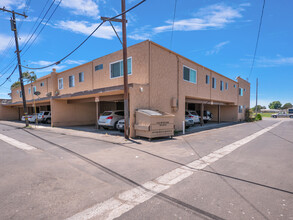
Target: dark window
[(221, 85), (71, 81), (240, 91), (214, 81), (189, 74), (81, 77), (207, 79), (99, 67), (120, 113), (117, 68), (42, 84), (226, 86)]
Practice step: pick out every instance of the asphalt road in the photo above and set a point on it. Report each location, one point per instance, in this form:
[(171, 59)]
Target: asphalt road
[(67, 175)]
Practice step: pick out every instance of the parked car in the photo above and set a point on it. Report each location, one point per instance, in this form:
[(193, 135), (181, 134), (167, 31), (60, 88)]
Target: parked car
[(44, 117), (188, 122), (207, 116), (30, 118), (109, 119), (120, 125), (282, 115), (192, 115)]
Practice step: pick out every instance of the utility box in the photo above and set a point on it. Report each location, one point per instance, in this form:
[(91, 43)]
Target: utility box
[(152, 124)]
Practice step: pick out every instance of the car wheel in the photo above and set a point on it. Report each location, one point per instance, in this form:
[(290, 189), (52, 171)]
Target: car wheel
[(48, 121), (115, 125), (205, 121)]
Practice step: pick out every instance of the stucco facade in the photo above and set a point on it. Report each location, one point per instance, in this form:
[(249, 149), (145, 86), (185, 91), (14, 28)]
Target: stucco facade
[(157, 81)]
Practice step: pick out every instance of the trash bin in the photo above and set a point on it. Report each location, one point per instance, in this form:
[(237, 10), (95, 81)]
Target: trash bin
[(152, 124)]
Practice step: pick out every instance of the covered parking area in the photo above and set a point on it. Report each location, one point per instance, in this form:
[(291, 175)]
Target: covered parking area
[(221, 111)]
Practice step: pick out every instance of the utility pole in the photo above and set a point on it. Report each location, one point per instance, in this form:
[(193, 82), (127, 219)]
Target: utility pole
[(125, 70), (14, 29), (256, 95)]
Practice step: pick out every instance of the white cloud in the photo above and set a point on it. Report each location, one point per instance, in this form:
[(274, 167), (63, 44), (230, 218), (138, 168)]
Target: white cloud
[(4, 41), (77, 62), (82, 7), (271, 62), (211, 17), (84, 27), (10, 3), (217, 48), (142, 33)]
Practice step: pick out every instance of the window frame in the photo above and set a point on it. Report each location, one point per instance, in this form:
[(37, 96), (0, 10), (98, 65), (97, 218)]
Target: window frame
[(34, 89), (240, 109), (207, 79), (96, 67), (241, 91), (82, 77), (69, 81), (119, 62), (214, 84), (29, 91), (221, 85), (42, 84), (60, 79), (189, 74), (226, 86), (20, 94)]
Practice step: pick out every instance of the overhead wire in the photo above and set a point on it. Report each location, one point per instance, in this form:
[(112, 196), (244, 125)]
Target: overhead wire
[(59, 61), (172, 32), (257, 39)]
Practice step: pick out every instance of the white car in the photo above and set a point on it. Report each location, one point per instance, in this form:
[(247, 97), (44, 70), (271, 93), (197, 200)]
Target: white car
[(30, 118), (192, 115), (45, 117), (109, 119), (120, 125)]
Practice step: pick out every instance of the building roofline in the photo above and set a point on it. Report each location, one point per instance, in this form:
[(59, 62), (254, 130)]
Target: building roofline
[(177, 54)]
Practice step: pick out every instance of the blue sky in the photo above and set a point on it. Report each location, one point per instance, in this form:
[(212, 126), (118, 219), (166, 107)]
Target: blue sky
[(220, 35)]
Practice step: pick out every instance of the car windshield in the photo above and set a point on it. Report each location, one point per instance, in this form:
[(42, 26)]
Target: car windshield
[(106, 113)]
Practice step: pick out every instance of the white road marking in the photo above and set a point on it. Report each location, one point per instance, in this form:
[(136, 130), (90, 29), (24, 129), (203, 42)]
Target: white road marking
[(16, 143), (125, 201)]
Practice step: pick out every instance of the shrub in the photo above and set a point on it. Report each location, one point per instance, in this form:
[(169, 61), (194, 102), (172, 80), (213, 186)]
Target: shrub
[(258, 117), (249, 115)]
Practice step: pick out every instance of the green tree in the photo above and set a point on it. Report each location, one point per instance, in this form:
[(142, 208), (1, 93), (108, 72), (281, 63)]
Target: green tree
[(259, 107), (275, 105), (287, 105), (15, 85), (29, 77)]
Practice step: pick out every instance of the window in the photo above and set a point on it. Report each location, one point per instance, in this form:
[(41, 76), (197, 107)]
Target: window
[(116, 68), (244, 90), (60, 83), (17, 91), (240, 108), (99, 67), (221, 85), (20, 94), (226, 86), (240, 91), (41, 84), (214, 83), (34, 89), (81, 77), (29, 90), (234, 86), (71, 81), (189, 74), (207, 79)]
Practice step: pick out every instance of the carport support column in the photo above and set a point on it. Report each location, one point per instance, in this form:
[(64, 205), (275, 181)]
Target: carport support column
[(98, 111), (201, 114), (219, 114)]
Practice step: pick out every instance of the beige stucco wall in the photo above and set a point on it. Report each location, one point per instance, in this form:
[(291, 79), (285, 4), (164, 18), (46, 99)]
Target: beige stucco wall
[(245, 99), (8, 113), (64, 114)]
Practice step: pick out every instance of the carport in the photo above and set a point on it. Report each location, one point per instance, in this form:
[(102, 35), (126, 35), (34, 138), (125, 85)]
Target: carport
[(222, 111)]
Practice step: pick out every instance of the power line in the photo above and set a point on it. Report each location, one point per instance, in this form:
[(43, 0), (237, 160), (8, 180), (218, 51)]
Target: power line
[(59, 61), (42, 27), (9, 76), (173, 23), (257, 39)]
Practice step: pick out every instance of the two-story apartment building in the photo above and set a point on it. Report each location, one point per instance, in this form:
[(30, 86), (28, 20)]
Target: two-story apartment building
[(159, 79)]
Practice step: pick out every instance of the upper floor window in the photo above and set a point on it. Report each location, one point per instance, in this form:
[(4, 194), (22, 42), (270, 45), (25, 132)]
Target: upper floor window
[(20, 94), (29, 90), (189, 74), (214, 82), (60, 83), (34, 89), (116, 68), (207, 79), (81, 77), (41, 84), (71, 81), (241, 91), (240, 109), (221, 85), (244, 90), (99, 67), (234, 85), (226, 86)]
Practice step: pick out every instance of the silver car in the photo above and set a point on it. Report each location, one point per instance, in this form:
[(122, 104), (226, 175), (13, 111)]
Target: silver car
[(109, 119), (188, 122), (120, 125)]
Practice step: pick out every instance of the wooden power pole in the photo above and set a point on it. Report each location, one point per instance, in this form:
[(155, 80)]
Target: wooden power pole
[(125, 69), (256, 95), (14, 29)]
